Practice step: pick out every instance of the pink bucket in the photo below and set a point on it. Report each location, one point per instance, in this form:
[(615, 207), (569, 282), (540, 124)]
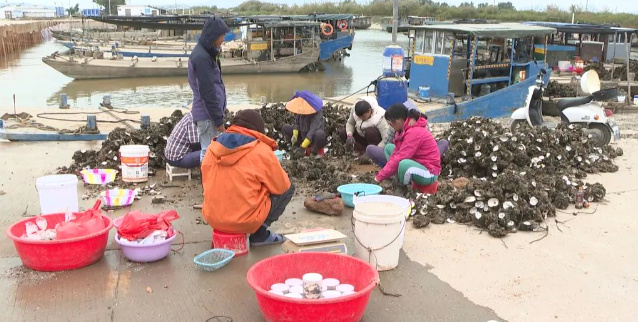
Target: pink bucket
[(146, 253)]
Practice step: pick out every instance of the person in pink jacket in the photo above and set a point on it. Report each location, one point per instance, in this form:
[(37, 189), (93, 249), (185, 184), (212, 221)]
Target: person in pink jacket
[(414, 157)]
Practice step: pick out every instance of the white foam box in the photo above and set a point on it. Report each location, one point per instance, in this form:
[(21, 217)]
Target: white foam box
[(322, 240)]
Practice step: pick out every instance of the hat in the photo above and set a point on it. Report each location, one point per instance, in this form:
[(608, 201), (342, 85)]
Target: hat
[(304, 103), (250, 119)]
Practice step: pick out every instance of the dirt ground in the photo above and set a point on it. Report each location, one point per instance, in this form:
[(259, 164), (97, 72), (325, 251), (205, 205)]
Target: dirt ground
[(584, 270)]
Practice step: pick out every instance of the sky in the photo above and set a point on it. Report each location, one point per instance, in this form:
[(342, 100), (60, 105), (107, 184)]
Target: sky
[(593, 5)]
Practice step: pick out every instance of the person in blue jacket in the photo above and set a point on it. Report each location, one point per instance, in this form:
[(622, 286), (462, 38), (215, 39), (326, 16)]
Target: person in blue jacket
[(205, 79)]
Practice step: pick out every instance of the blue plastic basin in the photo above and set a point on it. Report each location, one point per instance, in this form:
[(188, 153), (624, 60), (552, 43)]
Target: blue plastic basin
[(347, 191)]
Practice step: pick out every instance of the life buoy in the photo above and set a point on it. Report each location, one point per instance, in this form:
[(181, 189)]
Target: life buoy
[(342, 25), (327, 29)]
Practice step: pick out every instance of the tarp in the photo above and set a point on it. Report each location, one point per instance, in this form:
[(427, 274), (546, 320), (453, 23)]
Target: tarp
[(500, 30), (321, 17), (581, 27)]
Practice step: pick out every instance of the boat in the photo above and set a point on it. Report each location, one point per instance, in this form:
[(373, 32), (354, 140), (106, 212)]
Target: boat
[(361, 22), (131, 50), (335, 38), (272, 47), (587, 41), (462, 79), (405, 22)]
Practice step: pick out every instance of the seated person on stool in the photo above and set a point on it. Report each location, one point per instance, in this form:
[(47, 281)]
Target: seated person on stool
[(308, 131), (366, 125), (182, 147), (414, 157), (245, 187), (377, 153)]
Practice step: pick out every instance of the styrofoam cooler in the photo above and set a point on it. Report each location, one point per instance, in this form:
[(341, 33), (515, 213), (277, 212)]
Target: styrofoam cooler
[(379, 229), (58, 193)]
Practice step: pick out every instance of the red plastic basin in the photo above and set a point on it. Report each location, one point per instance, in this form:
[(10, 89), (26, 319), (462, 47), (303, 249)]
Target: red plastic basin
[(341, 309), (59, 255), (238, 243)]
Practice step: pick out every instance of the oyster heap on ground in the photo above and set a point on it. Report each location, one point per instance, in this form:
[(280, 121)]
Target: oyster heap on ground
[(516, 180), (107, 157)]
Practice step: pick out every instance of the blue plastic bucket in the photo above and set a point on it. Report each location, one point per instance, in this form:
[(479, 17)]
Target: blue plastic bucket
[(348, 191), (280, 155), (424, 91)]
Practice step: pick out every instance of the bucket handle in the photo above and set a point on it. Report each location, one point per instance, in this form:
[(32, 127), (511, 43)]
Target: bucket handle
[(356, 194)]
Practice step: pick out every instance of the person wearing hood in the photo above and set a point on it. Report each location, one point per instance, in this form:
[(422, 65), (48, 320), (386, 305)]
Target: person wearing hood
[(205, 80), (377, 153), (245, 187), (308, 130), (414, 157), (366, 125)]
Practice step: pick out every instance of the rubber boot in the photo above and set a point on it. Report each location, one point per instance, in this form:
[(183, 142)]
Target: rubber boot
[(429, 189)]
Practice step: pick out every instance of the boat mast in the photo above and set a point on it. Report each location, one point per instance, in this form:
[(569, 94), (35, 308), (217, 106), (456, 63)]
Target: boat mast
[(395, 21)]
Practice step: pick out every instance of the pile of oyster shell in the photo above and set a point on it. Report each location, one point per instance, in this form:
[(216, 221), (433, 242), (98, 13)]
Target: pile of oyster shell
[(516, 180)]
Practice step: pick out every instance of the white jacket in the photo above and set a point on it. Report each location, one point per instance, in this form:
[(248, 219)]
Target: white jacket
[(377, 120)]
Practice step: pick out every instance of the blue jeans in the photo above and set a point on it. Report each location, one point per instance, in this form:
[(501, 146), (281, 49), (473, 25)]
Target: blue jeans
[(206, 131), (190, 160)]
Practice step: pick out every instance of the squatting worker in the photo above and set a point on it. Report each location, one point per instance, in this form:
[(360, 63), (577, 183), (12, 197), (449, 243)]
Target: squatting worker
[(245, 187), (182, 147), (377, 153), (308, 131), (414, 157), (205, 79), (366, 125)]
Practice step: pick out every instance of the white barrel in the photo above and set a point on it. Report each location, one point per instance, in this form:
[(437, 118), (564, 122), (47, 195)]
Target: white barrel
[(58, 193), (134, 160), (379, 228)]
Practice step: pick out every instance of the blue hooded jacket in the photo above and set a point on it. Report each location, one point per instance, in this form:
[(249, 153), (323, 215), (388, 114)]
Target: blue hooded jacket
[(205, 74)]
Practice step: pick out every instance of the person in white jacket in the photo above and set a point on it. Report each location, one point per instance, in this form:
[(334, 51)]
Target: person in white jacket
[(366, 125)]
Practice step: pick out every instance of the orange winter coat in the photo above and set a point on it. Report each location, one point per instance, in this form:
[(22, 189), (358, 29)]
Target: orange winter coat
[(239, 173)]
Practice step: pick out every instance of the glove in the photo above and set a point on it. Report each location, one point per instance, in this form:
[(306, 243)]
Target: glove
[(376, 180), (295, 137), (305, 143), (350, 140)]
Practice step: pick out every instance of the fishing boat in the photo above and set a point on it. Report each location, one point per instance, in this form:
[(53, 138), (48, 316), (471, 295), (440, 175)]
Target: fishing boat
[(272, 47), (337, 33), (473, 69), (361, 22), (132, 50), (405, 22)]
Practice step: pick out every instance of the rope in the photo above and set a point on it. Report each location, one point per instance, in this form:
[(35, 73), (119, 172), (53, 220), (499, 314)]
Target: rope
[(357, 92)]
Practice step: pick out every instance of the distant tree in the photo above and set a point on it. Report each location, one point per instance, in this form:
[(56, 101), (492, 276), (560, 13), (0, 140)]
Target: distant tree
[(113, 3), (506, 6), (73, 10)]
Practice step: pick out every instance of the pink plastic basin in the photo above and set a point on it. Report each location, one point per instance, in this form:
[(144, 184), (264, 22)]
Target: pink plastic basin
[(146, 253)]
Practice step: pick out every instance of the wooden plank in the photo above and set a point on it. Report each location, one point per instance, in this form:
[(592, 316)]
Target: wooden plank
[(315, 237), (11, 136)]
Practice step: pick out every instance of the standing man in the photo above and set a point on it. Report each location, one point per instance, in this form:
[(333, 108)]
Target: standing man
[(205, 79)]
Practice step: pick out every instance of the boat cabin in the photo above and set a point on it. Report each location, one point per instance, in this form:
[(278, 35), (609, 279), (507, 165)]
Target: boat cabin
[(589, 42), (471, 60), (271, 40)]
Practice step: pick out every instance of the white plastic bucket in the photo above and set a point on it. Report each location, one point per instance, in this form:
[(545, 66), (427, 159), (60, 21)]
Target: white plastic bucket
[(134, 160), (379, 229), (58, 193)]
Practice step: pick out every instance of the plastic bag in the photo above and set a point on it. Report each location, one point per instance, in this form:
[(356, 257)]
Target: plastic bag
[(137, 225), (82, 224)]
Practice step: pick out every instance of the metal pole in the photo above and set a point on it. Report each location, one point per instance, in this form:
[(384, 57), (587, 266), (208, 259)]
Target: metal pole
[(395, 21), (109, 7), (628, 39)]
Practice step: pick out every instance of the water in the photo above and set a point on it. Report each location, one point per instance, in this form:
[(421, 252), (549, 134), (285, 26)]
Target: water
[(38, 85)]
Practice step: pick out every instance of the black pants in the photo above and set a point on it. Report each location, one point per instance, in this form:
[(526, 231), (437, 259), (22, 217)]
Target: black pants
[(317, 141), (277, 207), (372, 137)]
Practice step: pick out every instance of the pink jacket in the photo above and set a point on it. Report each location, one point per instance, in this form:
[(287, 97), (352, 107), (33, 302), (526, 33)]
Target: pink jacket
[(415, 142)]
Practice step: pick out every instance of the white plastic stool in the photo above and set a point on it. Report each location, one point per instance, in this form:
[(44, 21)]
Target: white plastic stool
[(172, 171)]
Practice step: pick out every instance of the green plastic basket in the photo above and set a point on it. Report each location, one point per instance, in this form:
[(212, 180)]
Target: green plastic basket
[(213, 259)]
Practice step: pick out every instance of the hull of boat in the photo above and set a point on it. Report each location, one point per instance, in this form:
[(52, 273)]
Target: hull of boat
[(329, 47), (103, 68)]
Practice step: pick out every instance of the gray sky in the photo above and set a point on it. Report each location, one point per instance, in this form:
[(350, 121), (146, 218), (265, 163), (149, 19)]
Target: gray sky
[(594, 5)]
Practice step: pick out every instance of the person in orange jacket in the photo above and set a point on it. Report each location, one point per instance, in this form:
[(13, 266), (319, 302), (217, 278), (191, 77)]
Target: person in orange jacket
[(245, 187)]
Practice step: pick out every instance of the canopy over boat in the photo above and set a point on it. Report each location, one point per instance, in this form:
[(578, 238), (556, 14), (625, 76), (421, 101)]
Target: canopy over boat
[(500, 30)]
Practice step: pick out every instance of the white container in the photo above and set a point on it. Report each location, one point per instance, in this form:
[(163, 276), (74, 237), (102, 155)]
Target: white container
[(330, 283), (563, 65), (330, 294), (379, 228), (312, 285), (280, 287), (345, 288), (276, 292), (58, 193), (635, 99), (294, 282), (134, 160), (298, 289)]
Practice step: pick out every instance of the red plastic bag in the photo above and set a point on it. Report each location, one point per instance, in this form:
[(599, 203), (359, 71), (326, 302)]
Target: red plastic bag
[(137, 225), (84, 224)]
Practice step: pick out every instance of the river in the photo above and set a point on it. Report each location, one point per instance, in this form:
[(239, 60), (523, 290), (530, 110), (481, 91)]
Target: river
[(38, 85)]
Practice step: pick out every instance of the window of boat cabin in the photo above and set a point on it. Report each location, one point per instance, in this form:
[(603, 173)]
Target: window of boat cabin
[(433, 42)]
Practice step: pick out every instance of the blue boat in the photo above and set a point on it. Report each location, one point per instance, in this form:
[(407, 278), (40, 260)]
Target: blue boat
[(337, 33), (473, 69)]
